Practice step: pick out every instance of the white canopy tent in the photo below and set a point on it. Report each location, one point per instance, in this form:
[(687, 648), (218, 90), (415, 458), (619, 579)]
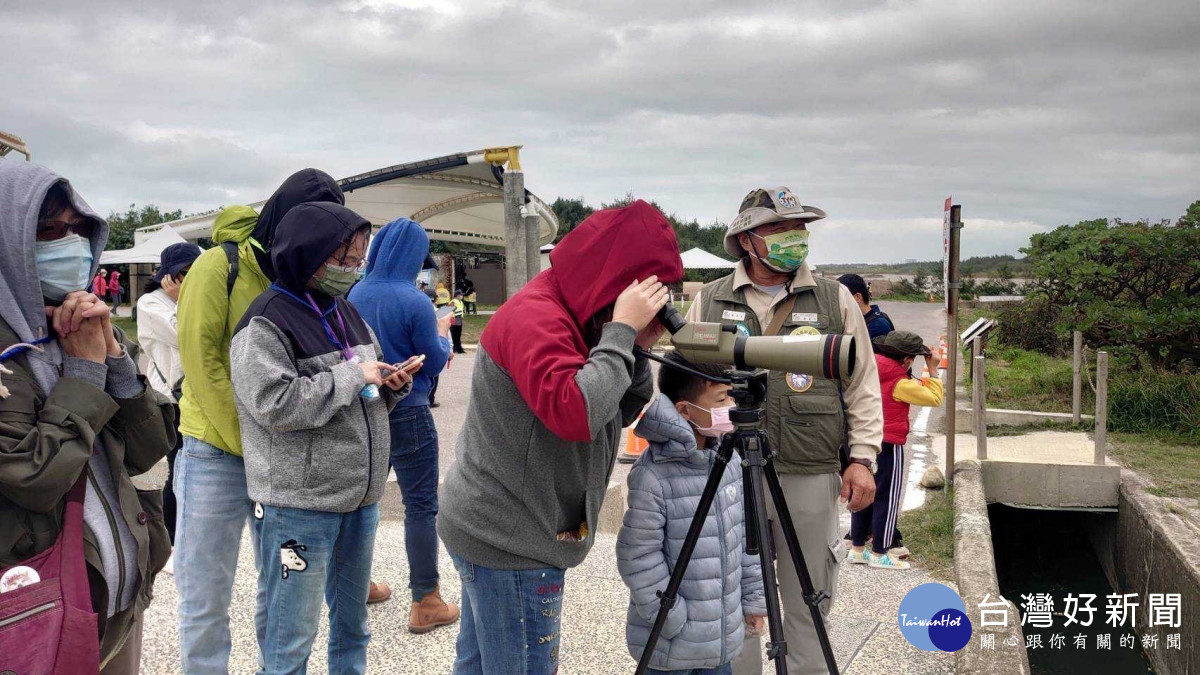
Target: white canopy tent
[(148, 251), (699, 259), (456, 198)]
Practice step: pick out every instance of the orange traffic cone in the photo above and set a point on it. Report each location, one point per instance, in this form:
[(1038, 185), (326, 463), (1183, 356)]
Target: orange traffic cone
[(945, 352), (634, 445)]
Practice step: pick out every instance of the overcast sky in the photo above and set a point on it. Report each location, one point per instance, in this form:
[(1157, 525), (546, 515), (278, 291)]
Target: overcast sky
[(1032, 114)]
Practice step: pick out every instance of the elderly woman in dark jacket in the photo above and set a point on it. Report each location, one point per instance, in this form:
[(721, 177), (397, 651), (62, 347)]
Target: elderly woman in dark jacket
[(73, 409)]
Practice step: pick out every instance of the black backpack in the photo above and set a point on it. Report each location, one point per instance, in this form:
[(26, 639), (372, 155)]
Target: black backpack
[(231, 252)]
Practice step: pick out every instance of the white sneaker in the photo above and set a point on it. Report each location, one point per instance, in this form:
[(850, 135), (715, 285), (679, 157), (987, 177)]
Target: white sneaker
[(169, 568), (887, 562), (900, 552), (858, 557)]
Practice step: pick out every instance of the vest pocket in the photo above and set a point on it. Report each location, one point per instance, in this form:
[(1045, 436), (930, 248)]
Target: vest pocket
[(812, 428)]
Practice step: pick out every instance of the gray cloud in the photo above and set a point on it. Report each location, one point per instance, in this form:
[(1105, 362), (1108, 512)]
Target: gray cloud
[(1032, 114)]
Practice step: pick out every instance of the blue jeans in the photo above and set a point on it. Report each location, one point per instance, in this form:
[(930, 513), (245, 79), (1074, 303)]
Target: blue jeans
[(726, 669), (212, 508), (510, 620), (415, 460), (309, 556)]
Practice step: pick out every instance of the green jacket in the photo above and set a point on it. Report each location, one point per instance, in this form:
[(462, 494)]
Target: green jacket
[(45, 443), (207, 315)]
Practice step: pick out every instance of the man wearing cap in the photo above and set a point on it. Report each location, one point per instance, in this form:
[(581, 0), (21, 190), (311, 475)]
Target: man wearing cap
[(773, 292)]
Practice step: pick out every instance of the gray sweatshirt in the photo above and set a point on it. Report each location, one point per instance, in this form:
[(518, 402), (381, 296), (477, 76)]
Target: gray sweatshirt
[(521, 497)]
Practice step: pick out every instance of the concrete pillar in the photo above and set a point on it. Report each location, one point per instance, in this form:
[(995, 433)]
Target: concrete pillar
[(979, 406), (533, 246), (1101, 406), (1077, 379), (515, 268)]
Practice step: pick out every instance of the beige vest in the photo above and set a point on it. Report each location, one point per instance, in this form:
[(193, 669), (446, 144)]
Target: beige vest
[(805, 418)]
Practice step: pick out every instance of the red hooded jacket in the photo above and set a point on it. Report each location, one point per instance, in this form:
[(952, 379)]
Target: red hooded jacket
[(538, 336)]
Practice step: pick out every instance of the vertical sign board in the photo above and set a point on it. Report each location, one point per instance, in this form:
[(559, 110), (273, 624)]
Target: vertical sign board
[(946, 252)]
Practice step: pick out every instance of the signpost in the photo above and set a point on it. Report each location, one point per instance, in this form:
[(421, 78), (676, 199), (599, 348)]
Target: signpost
[(951, 234)]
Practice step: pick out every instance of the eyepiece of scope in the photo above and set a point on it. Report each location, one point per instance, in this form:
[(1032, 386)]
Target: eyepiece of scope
[(671, 319)]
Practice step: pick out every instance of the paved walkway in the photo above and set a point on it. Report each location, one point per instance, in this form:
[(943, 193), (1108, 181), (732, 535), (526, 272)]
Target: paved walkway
[(863, 630)]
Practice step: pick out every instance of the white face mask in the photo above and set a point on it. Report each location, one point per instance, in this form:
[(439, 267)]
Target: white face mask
[(63, 265)]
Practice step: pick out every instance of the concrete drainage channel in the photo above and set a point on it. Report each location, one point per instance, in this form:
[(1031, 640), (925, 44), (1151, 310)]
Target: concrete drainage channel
[(1150, 545)]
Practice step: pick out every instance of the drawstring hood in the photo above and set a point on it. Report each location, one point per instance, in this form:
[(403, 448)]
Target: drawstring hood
[(306, 185)]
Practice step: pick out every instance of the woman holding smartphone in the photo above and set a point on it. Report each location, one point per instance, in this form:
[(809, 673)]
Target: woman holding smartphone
[(407, 326)]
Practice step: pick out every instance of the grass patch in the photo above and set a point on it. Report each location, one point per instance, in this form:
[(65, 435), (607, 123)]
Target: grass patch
[(1022, 429), (128, 325), (905, 297), (1018, 379), (929, 533), (1172, 461), (473, 325)]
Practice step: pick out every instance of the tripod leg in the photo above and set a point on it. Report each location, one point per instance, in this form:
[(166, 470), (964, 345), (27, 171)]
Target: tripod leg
[(667, 597), (748, 508), (777, 647), (812, 597)]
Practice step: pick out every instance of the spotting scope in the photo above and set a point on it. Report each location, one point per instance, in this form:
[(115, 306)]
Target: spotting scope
[(825, 356)]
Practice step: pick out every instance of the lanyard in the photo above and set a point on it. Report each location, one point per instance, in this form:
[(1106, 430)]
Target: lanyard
[(21, 348), (347, 352)]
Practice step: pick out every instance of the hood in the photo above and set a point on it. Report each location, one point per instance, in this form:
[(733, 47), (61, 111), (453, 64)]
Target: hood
[(672, 436), (398, 252), (306, 237), (234, 223), (23, 188), (306, 185), (598, 259)]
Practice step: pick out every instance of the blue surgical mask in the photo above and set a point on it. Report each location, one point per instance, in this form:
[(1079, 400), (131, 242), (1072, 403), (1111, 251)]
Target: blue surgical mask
[(63, 265)]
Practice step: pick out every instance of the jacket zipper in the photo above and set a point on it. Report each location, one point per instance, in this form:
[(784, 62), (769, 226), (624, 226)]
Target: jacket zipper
[(370, 450), (28, 613), (112, 523), (721, 549)]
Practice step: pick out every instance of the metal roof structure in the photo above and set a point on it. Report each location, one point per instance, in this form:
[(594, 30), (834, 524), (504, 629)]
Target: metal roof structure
[(456, 198)]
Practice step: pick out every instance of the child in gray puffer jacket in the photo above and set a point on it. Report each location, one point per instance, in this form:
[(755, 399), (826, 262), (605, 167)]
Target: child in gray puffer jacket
[(722, 590)]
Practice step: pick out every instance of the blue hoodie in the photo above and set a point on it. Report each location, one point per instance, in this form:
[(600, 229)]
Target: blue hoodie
[(400, 314)]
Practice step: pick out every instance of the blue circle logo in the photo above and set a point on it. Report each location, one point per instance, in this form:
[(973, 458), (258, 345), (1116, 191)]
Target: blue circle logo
[(932, 618)]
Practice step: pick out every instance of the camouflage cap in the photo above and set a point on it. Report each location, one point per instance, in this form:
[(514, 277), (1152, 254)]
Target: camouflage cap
[(763, 206), (901, 343)]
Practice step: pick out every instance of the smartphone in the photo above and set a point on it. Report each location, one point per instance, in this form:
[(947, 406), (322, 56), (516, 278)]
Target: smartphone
[(413, 365), (445, 311)]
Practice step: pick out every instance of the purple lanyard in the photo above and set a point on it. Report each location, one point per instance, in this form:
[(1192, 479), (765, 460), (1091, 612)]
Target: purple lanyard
[(347, 352)]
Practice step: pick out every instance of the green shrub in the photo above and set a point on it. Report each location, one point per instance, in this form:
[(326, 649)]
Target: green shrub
[(1031, 325), (1154, 401)]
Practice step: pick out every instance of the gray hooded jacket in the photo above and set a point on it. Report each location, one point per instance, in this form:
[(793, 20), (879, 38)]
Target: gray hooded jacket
[(53, 403), (722, 584)]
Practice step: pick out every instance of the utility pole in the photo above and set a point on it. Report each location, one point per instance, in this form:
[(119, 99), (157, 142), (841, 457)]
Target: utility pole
[(952, 234)]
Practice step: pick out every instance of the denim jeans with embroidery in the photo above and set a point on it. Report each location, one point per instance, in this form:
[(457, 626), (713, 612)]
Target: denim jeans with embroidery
[(511, 620), (307, 557)]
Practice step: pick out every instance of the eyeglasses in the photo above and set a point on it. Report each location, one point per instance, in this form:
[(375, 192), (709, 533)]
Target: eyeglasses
[(52, 230)]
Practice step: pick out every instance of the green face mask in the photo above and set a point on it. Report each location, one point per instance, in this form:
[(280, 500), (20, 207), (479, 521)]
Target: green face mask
[(337, 280), (786, 251)]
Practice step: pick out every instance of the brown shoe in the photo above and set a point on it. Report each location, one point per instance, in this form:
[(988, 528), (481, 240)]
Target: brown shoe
[(379, 593), (431, 612)]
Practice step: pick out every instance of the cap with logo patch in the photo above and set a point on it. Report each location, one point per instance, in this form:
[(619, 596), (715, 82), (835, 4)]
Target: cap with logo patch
[(763, 206)]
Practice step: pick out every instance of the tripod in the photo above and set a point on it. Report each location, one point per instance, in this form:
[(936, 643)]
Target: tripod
[(750, 442)]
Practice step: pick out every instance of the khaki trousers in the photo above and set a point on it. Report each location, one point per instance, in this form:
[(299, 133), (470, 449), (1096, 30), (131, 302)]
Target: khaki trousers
[(813, 503)]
